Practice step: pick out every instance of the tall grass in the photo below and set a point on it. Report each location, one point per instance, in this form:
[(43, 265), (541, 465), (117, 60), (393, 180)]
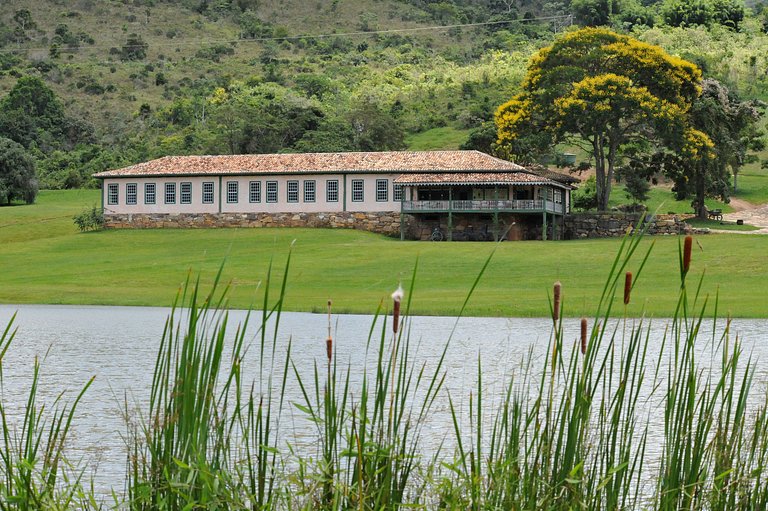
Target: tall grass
[(607, 419), (34, 473)]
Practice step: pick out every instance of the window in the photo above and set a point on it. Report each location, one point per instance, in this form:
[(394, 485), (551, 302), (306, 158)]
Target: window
[(397, 193), (558, 196), (382, 190), (271, 191), (332, 190), (254, 191), (150, 193), (113, 193), (309, 191), (170, 193), (357, 190), (185, 190), (232, 192), (131, 194), (208, 193), (293, 191)]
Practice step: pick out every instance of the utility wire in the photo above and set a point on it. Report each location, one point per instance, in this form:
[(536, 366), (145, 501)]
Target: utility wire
[(566, 17)]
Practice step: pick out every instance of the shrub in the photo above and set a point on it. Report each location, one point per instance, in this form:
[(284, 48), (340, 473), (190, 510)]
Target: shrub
[(90, 219), (585, 198)]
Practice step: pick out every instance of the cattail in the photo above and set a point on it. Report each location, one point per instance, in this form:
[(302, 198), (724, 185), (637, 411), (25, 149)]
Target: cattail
[(627, 287), (329, 339), (556, 309), (583, 336), (687, 253), (397, 297)]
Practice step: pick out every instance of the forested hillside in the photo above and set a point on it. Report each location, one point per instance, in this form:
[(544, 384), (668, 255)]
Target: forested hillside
[(133, 80)]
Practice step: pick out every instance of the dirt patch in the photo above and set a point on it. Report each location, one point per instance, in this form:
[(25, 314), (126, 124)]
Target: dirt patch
[(751, 214)]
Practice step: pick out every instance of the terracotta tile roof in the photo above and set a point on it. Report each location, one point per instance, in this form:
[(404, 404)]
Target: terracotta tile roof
[(548, 173), (459, 178), (392, 161)]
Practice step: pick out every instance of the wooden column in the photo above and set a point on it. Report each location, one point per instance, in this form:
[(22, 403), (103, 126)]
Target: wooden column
[(496, 213), (450, 214)]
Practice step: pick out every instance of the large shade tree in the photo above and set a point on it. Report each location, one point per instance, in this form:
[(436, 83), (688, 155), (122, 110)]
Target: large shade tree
[(17, 173), (604, 91), (725, 130)]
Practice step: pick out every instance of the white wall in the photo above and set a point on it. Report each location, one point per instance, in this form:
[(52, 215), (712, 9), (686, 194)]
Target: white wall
[(243, 204)]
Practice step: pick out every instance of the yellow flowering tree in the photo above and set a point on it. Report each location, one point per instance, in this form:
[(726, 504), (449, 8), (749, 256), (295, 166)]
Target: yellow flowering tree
[(604, 91)]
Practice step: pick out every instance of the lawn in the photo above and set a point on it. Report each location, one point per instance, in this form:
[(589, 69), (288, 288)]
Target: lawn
[(444, 138), (48, 261)]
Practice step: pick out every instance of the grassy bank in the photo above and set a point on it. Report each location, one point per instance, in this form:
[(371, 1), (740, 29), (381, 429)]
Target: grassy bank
[(46, 260)]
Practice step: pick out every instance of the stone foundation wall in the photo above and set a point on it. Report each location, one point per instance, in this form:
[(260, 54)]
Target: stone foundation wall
[(384, 223), (606, 225)]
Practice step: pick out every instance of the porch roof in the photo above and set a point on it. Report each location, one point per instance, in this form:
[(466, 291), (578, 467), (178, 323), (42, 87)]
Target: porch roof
[(476, 178)]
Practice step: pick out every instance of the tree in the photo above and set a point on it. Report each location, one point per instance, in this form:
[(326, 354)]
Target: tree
[(601, 90), (594, 13), (724, 130), (134, 48), (32, 114), (17, 173), (374, 129)]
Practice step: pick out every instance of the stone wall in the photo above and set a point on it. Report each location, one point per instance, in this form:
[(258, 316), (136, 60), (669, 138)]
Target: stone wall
[(613, 224), (384, 223)]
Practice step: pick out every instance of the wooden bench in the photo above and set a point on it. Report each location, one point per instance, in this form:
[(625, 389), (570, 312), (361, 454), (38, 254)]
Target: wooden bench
[(715, 214)]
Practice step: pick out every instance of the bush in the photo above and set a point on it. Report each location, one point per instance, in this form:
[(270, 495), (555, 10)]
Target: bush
[(585, 198), (90, 219)]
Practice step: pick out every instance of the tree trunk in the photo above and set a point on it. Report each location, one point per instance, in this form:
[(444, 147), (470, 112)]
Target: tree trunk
[(701, 209), (602, 183)]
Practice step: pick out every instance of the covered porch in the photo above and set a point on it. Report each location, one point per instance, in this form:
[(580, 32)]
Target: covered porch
[(474, 206)]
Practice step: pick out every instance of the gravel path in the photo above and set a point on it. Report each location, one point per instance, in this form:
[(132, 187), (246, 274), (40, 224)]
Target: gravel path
[(751, 214)]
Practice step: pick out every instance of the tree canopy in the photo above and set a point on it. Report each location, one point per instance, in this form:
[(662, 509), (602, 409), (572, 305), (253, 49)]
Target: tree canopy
[(724, 131), (17, 173), (607, 91), (31, 114)]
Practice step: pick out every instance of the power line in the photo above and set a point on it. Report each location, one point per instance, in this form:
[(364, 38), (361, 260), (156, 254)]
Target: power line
[(367, 33)]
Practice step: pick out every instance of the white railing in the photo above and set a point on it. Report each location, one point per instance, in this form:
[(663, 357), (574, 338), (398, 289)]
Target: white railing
[(482, 205)]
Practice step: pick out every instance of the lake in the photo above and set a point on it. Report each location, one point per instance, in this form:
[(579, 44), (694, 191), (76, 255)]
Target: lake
[(118, 346)]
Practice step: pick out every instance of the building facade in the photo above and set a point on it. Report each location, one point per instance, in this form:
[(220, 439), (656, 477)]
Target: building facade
[(396, 193)]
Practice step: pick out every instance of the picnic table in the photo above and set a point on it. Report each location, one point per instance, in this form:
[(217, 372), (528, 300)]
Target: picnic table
[(715, 214)]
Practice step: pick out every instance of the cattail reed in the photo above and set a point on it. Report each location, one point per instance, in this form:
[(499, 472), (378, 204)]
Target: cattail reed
[(583, 336), (627, 287), (329, 339), (556, 308), (687, 253), (397, 297)]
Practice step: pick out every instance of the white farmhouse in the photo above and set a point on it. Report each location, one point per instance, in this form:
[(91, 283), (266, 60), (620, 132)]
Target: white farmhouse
[(465, 195)]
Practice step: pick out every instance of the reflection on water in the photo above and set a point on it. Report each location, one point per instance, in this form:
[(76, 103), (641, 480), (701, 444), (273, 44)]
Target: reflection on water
[(118, 345)]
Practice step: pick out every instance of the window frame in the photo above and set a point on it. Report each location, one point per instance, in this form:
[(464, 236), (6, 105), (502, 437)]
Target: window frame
[(254, 192), (292, 196), (208, 196), (328, 190), (358, 195), (233, 192), (310, 187), (148, 193), (185, 197), (131, 194), (382, 190), (170, 192), (272, 195), (113, 194), (397, 192)]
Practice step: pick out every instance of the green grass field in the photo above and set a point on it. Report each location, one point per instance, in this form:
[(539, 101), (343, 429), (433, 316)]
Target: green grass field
[(46, 260)]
